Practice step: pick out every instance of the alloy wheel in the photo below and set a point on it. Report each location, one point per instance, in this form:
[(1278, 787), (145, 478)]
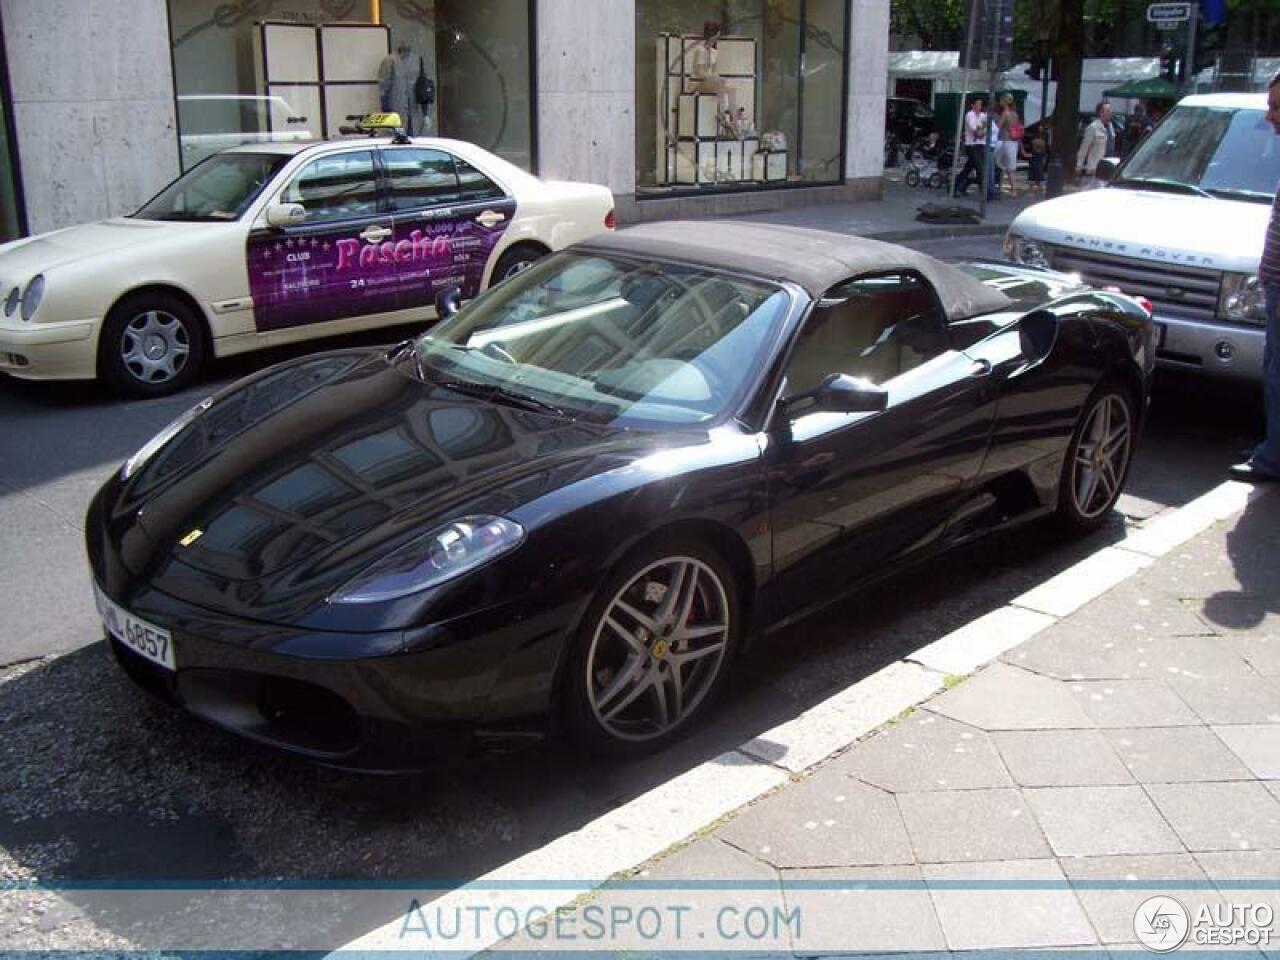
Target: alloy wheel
[(658, 648), (154, 346), (1101, 456)]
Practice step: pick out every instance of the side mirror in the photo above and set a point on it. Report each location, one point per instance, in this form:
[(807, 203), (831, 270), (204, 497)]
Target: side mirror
[(1106, 169), (286, 215), (840, 393), (448, 301)]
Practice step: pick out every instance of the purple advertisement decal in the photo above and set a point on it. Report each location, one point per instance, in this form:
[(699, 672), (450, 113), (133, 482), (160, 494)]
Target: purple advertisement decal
[(329, 275)]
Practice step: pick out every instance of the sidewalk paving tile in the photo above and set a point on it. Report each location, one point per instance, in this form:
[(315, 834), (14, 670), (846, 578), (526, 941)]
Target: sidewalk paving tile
[(1112, 888), (975, 825), (1234, 614), (1257, 744), (1262, 652), (1132, 703), (853, 909), (1060, 758), (826, 820), (1002, 697), (1100, 654), (926, 752), (1248, 877), (1242, 698), (1100, 821), (992, 916), (1175, 754), (1220, 816)]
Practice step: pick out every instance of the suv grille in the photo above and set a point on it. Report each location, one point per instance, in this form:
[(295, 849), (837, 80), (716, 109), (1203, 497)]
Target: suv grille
[(1173, 290)]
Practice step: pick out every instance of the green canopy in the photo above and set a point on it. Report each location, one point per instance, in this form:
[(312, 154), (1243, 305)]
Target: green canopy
[(1153, 88)]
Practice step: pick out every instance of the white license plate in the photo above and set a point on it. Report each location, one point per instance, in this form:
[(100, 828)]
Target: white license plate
[(143, 638)]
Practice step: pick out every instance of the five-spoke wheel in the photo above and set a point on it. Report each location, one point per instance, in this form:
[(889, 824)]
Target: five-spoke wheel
[(654, 649), (1098, 458)]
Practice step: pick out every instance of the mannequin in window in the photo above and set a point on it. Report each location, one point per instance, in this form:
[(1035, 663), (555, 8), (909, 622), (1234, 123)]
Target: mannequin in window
[(397, 77)]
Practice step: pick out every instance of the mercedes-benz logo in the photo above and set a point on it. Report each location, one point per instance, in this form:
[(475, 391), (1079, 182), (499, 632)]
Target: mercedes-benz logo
[(1161, 924)]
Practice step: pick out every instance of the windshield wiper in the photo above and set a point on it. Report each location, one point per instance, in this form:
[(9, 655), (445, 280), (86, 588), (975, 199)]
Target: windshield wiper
[(1167, 184), (494, 391), (1257, 196)]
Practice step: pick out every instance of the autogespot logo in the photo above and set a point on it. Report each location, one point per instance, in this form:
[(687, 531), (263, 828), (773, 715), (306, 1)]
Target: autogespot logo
[(1161, 924)]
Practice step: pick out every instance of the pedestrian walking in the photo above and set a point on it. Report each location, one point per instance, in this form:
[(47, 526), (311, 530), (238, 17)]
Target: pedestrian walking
[(975, 150), (1264, 463), (1037, 157), (1098, 141), (1010, 142)]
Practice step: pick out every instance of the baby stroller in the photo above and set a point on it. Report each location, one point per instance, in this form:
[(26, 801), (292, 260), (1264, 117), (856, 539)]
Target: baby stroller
[(930, 162)]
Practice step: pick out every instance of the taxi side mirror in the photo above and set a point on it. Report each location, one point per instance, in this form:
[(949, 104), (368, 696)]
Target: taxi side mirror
[(286, 215)]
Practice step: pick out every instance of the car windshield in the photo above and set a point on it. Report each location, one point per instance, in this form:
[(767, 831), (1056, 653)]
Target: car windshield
[(220, 188), (1215, 150), (610, 340)]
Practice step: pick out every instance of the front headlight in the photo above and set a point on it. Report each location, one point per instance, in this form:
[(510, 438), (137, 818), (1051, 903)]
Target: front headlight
[(152, 446), (441, 555), (32, 296), (1241, 299), (11, 302), (1024, 250)]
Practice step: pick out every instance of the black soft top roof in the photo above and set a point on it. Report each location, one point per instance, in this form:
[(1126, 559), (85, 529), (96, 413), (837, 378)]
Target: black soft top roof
[(815, 260)]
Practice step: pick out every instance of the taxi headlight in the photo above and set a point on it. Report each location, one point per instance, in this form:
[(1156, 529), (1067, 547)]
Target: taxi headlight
[(441, 555), (32, 296), (11, 302), (152, 446), (1024, 250), (1241, 299)]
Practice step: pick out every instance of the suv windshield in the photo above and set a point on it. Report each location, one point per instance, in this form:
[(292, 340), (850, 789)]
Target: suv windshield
[(611, 340), (1221, 151), (220, 188)]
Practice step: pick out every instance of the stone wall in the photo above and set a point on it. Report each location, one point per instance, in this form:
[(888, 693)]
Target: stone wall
[(93, 105)]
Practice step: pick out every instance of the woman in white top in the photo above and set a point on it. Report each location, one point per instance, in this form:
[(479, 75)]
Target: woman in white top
[(1007, 149)]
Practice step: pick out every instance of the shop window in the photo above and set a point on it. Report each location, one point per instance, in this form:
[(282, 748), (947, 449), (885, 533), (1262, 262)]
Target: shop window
[(735, 94), (474, 55)]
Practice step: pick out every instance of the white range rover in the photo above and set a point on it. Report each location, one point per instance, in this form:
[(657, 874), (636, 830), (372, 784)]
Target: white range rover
[(1181, 222)]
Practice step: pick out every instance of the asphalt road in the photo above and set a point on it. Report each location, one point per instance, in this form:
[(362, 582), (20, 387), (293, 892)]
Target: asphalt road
[(96, 782)]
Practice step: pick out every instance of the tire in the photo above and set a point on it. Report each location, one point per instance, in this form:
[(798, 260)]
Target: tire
[(1092, 480), (913, 178), (515, 260), (936, 181), (635, 680), (152, 344)]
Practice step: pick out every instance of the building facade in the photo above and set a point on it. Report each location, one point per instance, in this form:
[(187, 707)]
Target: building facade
[(681, 107)]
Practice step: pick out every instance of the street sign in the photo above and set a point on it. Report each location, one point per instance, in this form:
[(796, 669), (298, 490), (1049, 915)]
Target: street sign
[(1168, 12)]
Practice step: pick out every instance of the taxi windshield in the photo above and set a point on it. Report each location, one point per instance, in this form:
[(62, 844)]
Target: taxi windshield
[(1218, 151), (220, 188)]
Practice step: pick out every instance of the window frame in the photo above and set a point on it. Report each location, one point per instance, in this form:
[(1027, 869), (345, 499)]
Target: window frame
[(389, 183), (381, 191)]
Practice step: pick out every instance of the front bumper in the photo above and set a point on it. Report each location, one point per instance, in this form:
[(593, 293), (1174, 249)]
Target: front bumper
[(66, 350), (1217, 349)]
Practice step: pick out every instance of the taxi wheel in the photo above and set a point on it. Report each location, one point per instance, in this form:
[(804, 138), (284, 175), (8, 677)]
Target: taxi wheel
[(152, 344), (516, 260)]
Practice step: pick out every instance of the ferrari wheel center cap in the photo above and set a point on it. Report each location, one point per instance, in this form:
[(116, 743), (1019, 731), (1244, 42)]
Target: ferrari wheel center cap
[(660, 650)]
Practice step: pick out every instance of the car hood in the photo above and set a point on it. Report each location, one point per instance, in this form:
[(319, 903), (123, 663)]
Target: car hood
[(306, 474), (1204, 232), (25, 258)]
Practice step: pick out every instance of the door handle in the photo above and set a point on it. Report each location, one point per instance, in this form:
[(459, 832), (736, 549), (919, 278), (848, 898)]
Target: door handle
[(489, 217), (374, 234)]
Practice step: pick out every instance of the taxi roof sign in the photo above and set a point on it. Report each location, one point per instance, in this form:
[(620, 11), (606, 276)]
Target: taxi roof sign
[(375, 123)]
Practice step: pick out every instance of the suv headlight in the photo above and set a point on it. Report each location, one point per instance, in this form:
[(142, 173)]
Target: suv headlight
[(441, 555), (1024, 250), (1241, 299)]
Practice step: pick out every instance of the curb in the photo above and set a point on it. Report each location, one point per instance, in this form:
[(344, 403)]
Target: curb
[(942, 232), (649, 824)]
